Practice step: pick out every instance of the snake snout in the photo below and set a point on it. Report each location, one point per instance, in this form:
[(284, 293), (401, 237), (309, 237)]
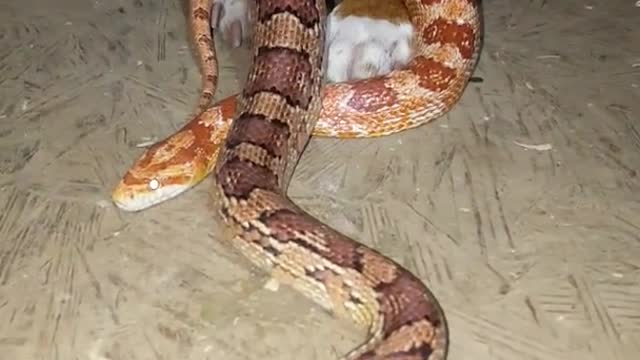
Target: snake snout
[(145, 195)]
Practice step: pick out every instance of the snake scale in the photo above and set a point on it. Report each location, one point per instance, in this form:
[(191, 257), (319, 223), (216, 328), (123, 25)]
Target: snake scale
[(252, 142)]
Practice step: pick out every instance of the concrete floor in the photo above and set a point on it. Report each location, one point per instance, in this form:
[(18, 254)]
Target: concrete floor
[(533, 252)]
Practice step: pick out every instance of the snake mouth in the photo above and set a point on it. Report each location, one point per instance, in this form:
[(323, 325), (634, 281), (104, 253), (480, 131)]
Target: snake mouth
[(133, 200)]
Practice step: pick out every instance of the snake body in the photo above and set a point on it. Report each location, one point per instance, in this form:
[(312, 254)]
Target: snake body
[(446, 48), (260, 134), (277, 111)]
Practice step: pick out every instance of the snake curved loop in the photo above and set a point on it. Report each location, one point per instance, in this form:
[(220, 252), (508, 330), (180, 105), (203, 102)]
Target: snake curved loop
[(276, 113), (446, 48)]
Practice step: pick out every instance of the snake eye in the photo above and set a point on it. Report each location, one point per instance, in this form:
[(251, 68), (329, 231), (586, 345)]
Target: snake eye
[(154, 184)]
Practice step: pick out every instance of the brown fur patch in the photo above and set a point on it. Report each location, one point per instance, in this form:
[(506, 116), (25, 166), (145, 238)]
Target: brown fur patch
[(393, 11)]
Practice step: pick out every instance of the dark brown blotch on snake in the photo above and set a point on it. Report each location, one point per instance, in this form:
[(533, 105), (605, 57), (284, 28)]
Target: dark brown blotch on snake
[(270, 64), (271, 135), (304, 11), (241, 177)]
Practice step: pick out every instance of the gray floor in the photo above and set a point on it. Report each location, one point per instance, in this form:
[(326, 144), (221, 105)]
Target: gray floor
[(520, 209)]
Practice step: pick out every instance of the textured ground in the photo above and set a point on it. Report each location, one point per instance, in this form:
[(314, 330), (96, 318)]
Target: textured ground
[(533, 252)]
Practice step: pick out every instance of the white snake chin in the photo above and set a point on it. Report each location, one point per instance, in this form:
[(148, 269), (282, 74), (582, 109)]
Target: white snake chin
[(146, 199)]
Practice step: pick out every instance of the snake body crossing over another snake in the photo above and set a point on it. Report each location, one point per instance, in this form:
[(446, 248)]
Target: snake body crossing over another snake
[(446, 49), (274, 117)]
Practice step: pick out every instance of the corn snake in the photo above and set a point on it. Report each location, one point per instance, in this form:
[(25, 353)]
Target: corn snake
[(253, 156)]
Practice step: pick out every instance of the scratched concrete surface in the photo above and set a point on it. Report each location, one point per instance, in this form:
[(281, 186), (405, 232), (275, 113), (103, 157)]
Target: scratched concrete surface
[(533, 252)]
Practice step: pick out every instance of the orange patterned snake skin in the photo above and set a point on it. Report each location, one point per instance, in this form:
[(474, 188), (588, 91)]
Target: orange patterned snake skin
[(267, 126), (445, 53)]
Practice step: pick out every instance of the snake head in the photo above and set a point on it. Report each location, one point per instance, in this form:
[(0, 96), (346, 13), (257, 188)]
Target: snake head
[(178, 163), (164, 171)]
